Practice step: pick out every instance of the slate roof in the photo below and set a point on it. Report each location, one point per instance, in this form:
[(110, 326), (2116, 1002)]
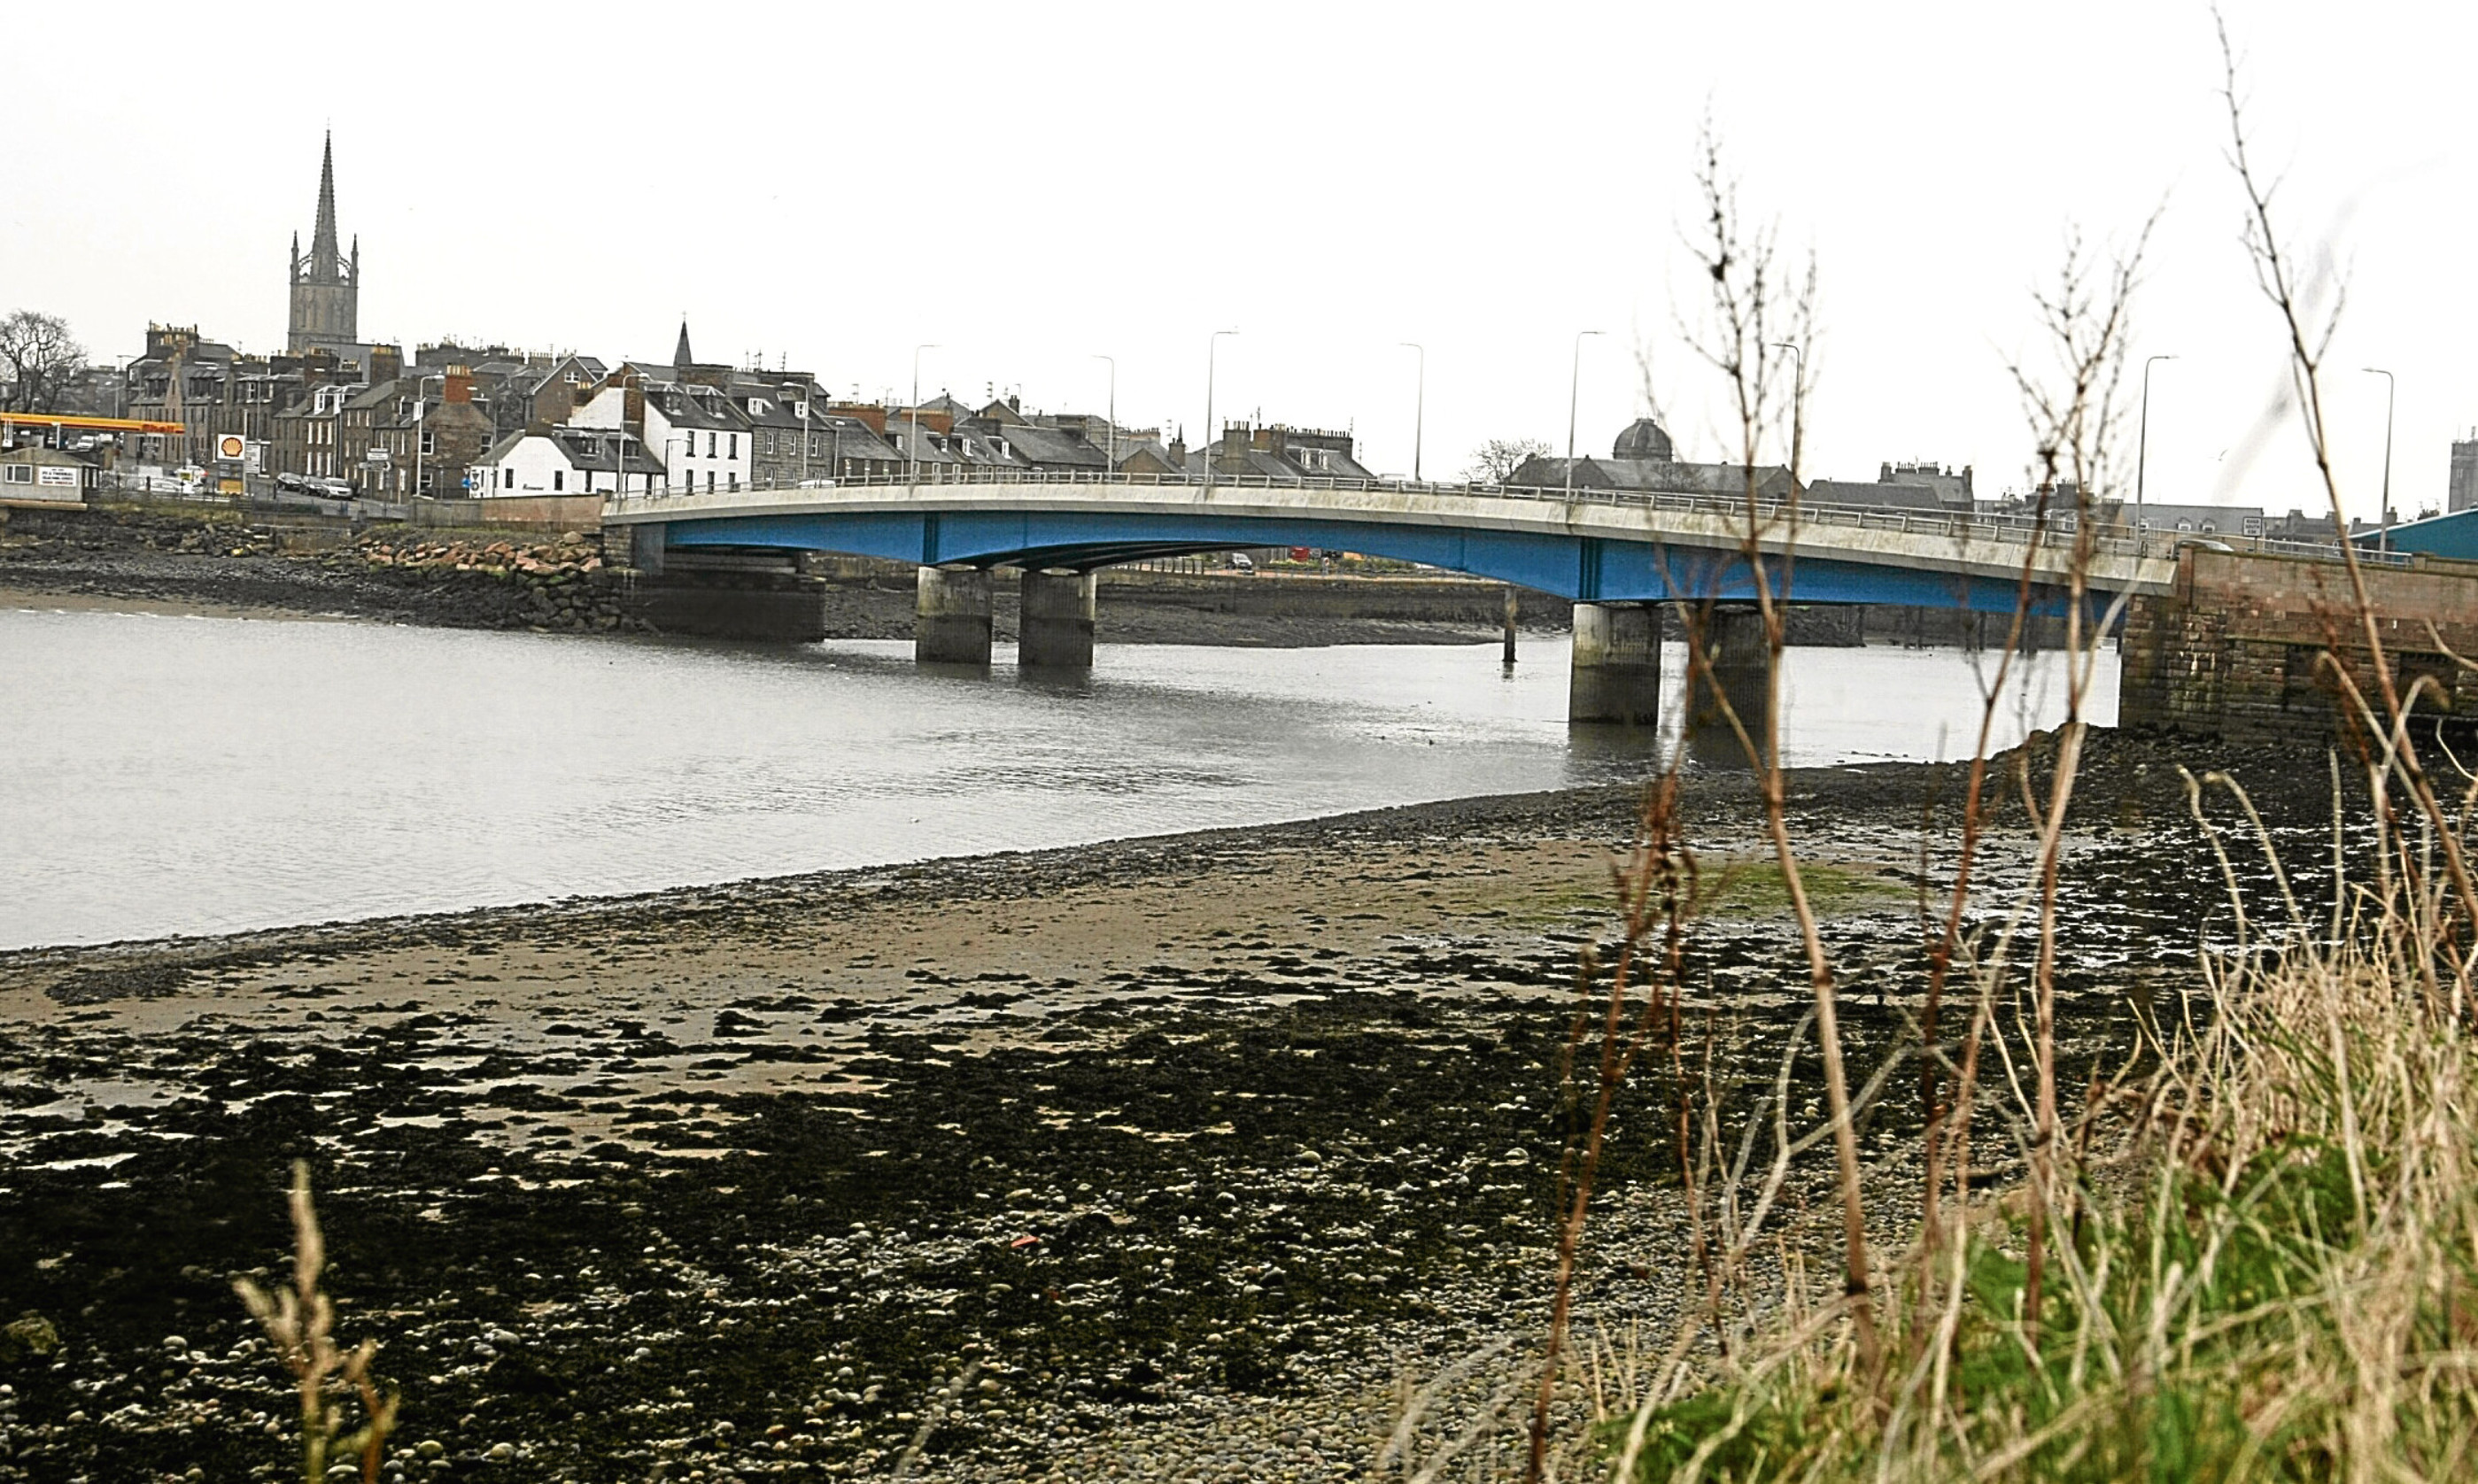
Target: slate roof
[(1876, 493)]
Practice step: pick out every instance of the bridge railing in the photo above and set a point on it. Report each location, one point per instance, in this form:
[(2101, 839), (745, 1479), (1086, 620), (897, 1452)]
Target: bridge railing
[(1771, 515)]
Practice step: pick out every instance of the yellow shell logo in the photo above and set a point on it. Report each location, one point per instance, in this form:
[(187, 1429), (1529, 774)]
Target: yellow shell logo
[(230, 446)]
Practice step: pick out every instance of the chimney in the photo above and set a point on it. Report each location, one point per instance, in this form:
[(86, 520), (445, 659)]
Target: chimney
[(458, 385)]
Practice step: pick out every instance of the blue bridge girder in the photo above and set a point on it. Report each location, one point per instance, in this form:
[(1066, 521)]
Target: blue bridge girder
[(1584, 568)]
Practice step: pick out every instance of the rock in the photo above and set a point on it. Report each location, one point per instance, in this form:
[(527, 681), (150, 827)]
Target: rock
[(31, 1336)]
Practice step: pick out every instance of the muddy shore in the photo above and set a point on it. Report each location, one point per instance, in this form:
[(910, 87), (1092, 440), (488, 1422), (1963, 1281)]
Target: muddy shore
[(1162, 1159)]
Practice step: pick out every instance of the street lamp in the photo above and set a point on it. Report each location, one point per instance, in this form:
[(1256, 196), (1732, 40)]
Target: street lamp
[(1111, 456), (1797, 398), (1419, 408), (2142, 455), (1212, 344), (912, 445), (2392, 388), (1574, 386)]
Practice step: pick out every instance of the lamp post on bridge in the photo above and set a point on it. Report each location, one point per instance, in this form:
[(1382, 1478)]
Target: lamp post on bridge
[(1111, 457), (1419, 408), (2391, 389), (1212, 344), (912, 444), (1574, 388), (2142, 456), (1797, 402)]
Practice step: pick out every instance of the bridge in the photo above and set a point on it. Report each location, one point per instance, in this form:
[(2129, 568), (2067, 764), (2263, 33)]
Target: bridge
[(1616, 554)]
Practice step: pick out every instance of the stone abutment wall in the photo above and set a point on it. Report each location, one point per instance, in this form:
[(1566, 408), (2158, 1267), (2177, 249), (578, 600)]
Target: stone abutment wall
[(2251, 648)]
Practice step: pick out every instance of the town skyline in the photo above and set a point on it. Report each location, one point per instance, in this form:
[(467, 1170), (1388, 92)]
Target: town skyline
[(1899, 376)]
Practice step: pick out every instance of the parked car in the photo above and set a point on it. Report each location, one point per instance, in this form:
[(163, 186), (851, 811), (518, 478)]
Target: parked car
[(1241, 562)]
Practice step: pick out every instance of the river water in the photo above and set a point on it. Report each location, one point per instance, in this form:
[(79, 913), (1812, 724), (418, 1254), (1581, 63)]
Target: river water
[(165, 774)]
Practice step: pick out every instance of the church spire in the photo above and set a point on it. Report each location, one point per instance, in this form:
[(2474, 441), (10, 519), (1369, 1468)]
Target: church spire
[(680, 356), (323, 255)]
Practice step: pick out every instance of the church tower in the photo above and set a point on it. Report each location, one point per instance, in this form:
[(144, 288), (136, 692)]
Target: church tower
[(326, 284)]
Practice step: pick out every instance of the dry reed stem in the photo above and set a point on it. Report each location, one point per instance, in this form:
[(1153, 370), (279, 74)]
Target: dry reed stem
[(300, 1320)]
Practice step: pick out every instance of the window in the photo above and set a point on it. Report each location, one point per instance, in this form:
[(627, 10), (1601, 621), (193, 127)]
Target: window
[(559, 479), (709, 448), (735, 446), (429, 442), (709, 480)]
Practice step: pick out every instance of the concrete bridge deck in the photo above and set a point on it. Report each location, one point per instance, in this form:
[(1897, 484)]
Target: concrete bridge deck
[(1592, 546), (1613, 553)]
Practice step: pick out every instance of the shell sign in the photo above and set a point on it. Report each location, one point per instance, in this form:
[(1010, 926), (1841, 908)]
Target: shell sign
[(230, 446)]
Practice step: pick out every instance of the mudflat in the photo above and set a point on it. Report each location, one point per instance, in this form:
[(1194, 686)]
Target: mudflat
[(1174, 1158)]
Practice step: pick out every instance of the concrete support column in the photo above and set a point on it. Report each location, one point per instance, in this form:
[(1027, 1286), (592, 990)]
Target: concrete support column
[(1054, 622), (1733, 639), (644, 548), (1735, 647), (1617, 665), (950, 621)]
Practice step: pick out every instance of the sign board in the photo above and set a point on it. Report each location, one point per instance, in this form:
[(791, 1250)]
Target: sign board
[(230, 447), (56, 476)]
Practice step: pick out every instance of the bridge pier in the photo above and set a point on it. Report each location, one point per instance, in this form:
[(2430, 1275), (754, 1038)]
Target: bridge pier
[(1617, 665), (1055, 620), (950, 617), (1735, 647)]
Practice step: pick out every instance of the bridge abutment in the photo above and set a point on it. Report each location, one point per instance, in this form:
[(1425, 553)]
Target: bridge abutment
[(950, 621), (1617, 665), (1055, 620)]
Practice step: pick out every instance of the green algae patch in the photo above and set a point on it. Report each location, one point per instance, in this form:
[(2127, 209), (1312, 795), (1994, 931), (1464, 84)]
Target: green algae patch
[(1741, 891)]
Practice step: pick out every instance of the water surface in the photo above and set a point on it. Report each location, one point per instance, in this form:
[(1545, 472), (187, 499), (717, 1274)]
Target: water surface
[(167, 774)]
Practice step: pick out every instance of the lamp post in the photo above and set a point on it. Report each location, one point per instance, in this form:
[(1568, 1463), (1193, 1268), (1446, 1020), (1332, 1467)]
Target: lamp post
[(1574, 387), (912, 444), (1797, 399), (2391, 389), (1419, 408), (421, 411), (1110, 457), (1212, 344), (2142, 454)]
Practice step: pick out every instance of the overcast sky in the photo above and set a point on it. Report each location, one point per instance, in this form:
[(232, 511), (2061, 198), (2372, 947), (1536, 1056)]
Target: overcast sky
[(1031, 186)]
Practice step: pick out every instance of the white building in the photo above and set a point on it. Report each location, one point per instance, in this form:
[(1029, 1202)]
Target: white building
[(566, 460), (698, 434)]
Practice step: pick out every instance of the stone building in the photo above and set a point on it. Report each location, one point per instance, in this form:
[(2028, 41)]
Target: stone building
[(1642, 459), (326, 284), (2463, 494)]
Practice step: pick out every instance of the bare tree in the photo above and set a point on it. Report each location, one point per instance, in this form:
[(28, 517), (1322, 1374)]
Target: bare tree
[(43, 358), (1495, 461)]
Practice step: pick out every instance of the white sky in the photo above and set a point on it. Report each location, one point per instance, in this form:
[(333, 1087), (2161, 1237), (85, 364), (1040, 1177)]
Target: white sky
[(1028, 186)]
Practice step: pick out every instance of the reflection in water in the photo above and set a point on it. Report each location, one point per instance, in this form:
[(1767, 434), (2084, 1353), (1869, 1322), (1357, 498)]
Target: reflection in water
[(210, 774)]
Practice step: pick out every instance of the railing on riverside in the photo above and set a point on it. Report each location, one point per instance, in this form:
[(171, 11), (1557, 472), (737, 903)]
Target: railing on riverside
[(1771, 515)]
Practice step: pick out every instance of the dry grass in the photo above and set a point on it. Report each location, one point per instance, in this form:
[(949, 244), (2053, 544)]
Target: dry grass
[(301, 1322)]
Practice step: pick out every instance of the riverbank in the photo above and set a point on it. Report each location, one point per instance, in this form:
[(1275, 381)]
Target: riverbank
[(1196, 1147)]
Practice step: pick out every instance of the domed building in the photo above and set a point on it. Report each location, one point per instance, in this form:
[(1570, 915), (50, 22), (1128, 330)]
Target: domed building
[(1644, 439)]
